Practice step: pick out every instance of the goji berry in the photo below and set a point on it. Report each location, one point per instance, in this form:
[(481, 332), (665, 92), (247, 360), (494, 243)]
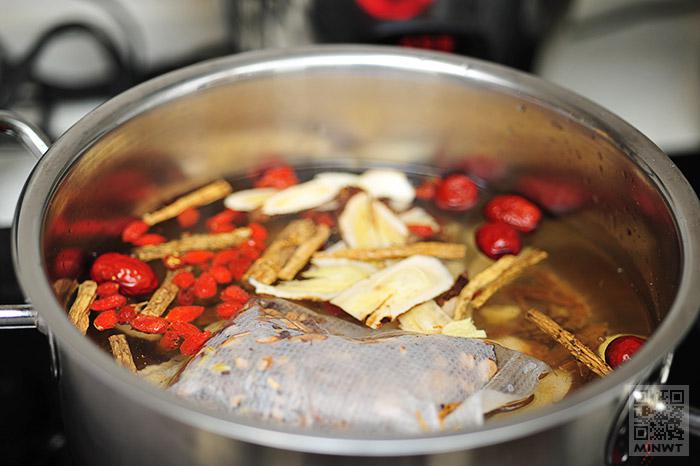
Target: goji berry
[(151, 238), (173, 262), (258, 233), (184, 313), (456, 192), (221, 274), (126, 314), (228, 309), (516, 211), (205, 286), (225, 256), (497, 239), (134, 276), (68, 263), (421, 231), (105, 320), (217, 227), (134, 231), (183, 279), (185, 297), (170, 341), (250, 249), (277, 177), (149, 324), (188, 217), (110, 302), (426, 190), (239, 267), (223, 221), (193, 343), (197, 257), (183, 329), (107, 289), (234, 293)]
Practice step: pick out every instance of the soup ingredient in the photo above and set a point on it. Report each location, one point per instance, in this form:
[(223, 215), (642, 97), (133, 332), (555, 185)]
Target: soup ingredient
[(110, 302), (149, 324), (497, 239), (134, 230), (500, 314), (122, 352), (426, 190), (200, 197), (228, 309), (395, 289), (434, 249), (301, 197), (64, 289), (279, 177), (210, 242), (486, 283), (184, 313), (368, 223), (456, 192), (515, 211), (105, 320), (205, 286), (578, 350), (68, 263), (463, 328), (258, 365), (620, 348), (234, 293), (193, 343), (321, 282), (388, 184), (420, 222), (304, 251), (135, 277), (107, 289), (152, 238), (126, 314), (557, 194), (223, 222), (163, 296), (426, 317), (249, 200), (188, 217), (183, 279)]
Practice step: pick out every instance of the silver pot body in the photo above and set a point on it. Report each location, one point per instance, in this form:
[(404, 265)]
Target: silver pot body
[(350, 106)]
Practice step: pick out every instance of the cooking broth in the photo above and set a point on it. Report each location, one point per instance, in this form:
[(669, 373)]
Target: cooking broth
[(579, 285)]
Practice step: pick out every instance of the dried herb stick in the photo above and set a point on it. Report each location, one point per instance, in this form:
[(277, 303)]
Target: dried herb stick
[(122, 352), (427, 248), (210, 242), (202, 196), (79, 312), (303, 253)]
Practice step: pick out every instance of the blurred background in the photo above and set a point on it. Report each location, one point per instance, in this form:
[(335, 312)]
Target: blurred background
[(59, 59)]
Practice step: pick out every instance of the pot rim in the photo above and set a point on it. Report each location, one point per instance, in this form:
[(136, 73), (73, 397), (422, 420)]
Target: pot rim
[(51, 169)]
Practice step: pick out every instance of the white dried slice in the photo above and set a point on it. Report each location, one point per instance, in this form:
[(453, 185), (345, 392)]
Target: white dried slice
[(463, 328), (450, 306), (248, 200), (319, 283), (394, 290), (426, 317), (300, 197), (339, 179), (499, 314), (389, 184), (419, 216), (368, 223)]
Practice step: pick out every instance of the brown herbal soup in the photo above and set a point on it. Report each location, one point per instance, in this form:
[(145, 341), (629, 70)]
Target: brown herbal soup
[(351, 228)]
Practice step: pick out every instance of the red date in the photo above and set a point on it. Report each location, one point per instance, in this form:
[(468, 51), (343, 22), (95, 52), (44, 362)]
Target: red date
[(135, 277)]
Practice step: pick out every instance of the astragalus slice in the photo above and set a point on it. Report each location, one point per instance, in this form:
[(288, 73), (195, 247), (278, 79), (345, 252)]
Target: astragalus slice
[(281, 362)]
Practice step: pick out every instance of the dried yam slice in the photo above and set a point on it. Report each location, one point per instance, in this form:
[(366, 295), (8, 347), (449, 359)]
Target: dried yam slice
[(248, 200)]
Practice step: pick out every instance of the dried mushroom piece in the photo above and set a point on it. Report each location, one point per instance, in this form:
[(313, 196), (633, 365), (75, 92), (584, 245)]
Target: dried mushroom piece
[(210, 242), (394, 290), (202, 196)]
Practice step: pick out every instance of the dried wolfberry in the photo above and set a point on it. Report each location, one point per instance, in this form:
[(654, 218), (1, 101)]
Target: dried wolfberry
[(516, 211), (197, 257), (134, 231), (175, 334), (250, 249), (426, 190), (223, 221), (228, 309), (172, 262), (184, 313), (234, 293), (183, 329), (126, 314), (68, 263), (421, 231), (258, 233), (183, 279), (240, 267), (107, 289), (621, 349), (277, 177), (193, 343), (456, 192), (218, 227), (188, 217), (151, 238), (185, 297), (221, 274), (110, 302), (170, 341), (149, 324), (225, 256), (134, 276), (497, 239), (205, 286), (105, 320)]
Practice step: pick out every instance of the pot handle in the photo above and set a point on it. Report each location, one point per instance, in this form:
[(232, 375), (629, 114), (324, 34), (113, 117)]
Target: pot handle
[(14, 316), (31, 137)]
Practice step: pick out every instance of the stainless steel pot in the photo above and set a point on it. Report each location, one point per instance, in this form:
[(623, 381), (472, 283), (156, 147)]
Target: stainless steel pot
[(353, 105)]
